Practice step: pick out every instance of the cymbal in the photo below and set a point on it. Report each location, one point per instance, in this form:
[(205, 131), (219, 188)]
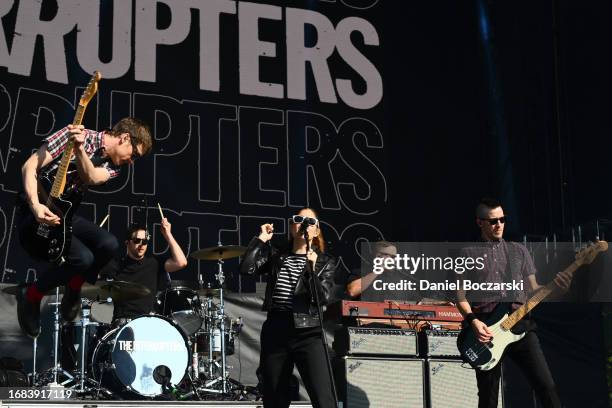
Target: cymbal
[(218, 252), (212, 292), (12, 290), (114, 289)]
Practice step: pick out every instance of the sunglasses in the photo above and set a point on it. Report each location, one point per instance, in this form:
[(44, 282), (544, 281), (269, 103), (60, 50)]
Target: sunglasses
[(135, 154), (298, 219), (140, 241), (494, 221)]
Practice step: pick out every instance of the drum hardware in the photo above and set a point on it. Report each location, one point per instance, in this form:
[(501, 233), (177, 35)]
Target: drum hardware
[(82, 372), (99, 370), (216, 319), (57, 368), (33, 378), (51, 377)]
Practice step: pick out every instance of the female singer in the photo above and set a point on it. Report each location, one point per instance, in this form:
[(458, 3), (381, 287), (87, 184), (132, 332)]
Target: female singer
[(292, 333)]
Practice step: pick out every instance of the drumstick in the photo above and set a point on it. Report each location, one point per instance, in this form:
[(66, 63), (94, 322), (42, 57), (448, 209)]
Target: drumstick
[(104, 220), (160, 211)]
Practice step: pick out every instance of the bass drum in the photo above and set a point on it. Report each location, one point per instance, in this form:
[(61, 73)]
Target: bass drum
[(140, 356)]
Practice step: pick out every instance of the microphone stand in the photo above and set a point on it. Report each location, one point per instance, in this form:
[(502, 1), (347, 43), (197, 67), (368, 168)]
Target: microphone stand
[(313, 288)]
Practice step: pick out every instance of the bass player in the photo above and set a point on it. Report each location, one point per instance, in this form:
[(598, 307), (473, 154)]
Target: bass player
[(503, 259)]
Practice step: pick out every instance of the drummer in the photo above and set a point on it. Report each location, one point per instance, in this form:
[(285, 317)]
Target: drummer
[(150, 271)]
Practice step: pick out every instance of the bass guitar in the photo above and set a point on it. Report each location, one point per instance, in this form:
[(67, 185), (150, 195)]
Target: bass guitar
[(50, 242), (485, 356)]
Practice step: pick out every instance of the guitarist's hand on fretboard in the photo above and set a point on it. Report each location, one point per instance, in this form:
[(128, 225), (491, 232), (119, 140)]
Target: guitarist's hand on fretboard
[(44, 215), (77, 135), (563, 280), (482, 331)]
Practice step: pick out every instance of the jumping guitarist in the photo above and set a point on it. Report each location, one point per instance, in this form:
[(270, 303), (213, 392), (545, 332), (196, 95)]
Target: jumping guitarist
[(506, 261), (97, 157)]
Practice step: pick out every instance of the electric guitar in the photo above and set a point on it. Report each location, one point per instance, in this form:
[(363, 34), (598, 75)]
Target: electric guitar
[(50, 242), (485, 356)]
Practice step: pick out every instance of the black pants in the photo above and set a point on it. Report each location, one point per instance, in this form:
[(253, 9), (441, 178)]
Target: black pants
[(528, 355), (90, 249), (282, 347)]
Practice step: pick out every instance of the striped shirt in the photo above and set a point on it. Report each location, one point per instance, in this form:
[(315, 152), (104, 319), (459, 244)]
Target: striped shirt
[(56, 144), (288, 276)]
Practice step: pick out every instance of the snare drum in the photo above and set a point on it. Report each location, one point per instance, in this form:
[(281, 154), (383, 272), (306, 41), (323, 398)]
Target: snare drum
[(102, 312), (183, 306), (130, 358)]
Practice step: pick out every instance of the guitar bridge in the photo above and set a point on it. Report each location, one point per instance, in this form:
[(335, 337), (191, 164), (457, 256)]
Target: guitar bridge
[(43, 230)]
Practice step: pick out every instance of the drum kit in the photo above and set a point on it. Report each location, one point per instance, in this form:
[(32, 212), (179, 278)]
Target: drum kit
[(177, 352)]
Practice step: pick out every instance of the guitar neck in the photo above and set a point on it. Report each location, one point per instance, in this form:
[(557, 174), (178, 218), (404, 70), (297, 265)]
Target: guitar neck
[(60, 177), (534, 300)]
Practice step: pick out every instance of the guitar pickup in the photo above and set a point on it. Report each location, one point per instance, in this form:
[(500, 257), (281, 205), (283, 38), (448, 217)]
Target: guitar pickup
[(471, 355), (43, 230)]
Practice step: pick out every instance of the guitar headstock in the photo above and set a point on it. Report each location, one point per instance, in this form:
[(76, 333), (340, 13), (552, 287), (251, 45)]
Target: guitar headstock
[(91, 89), (588, 254)]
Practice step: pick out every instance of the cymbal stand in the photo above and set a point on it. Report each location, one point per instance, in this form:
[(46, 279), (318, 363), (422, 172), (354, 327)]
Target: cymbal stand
[(34, 353), (57, 367), (210, 322), (82, 374), (221, 279), (211, 319), (85, 311)]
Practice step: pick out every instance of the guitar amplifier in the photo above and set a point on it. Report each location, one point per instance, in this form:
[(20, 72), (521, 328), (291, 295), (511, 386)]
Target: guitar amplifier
[(383, 382), (441, 343), (376, 341), (451, 384)]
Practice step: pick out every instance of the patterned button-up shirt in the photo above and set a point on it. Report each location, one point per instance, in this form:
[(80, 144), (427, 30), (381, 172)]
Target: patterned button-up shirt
[(504, 262), (56, 144)]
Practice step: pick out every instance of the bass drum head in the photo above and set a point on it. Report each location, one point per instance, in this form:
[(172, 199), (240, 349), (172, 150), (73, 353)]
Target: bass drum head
[(139, 351)]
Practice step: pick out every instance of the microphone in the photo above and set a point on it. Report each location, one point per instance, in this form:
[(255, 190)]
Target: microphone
[(303, 226)]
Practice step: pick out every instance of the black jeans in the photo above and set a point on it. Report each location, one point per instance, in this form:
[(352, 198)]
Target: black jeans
[(528, 355), (90, 249), (282, 346)]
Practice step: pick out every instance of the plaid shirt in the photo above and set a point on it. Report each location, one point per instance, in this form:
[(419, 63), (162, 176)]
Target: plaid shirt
[(56, 144), (504, 261)]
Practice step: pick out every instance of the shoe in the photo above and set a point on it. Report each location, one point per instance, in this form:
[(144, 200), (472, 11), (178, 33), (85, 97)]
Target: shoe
[(28, 314), (71, 303)]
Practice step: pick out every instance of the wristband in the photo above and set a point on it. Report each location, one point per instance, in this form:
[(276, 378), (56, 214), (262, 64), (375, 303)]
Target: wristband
[(470, 317)]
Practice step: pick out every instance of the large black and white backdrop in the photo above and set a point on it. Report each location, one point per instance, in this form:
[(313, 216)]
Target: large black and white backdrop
[(391, 118)]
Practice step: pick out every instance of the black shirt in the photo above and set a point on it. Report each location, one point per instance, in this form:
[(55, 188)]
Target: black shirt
[(149, 272)]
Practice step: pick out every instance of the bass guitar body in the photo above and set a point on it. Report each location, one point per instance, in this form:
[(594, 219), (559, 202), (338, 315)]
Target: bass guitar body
[(485, 356)]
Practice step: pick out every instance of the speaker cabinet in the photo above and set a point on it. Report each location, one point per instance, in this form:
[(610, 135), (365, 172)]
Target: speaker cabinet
[(441, 343), (376, 341), (383, 382), (453, 385)]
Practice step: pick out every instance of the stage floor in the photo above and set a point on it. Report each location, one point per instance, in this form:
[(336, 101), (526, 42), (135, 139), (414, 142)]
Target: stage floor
[(136, 404)]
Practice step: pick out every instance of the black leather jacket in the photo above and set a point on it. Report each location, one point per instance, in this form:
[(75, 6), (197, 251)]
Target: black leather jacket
[(261, 258)]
